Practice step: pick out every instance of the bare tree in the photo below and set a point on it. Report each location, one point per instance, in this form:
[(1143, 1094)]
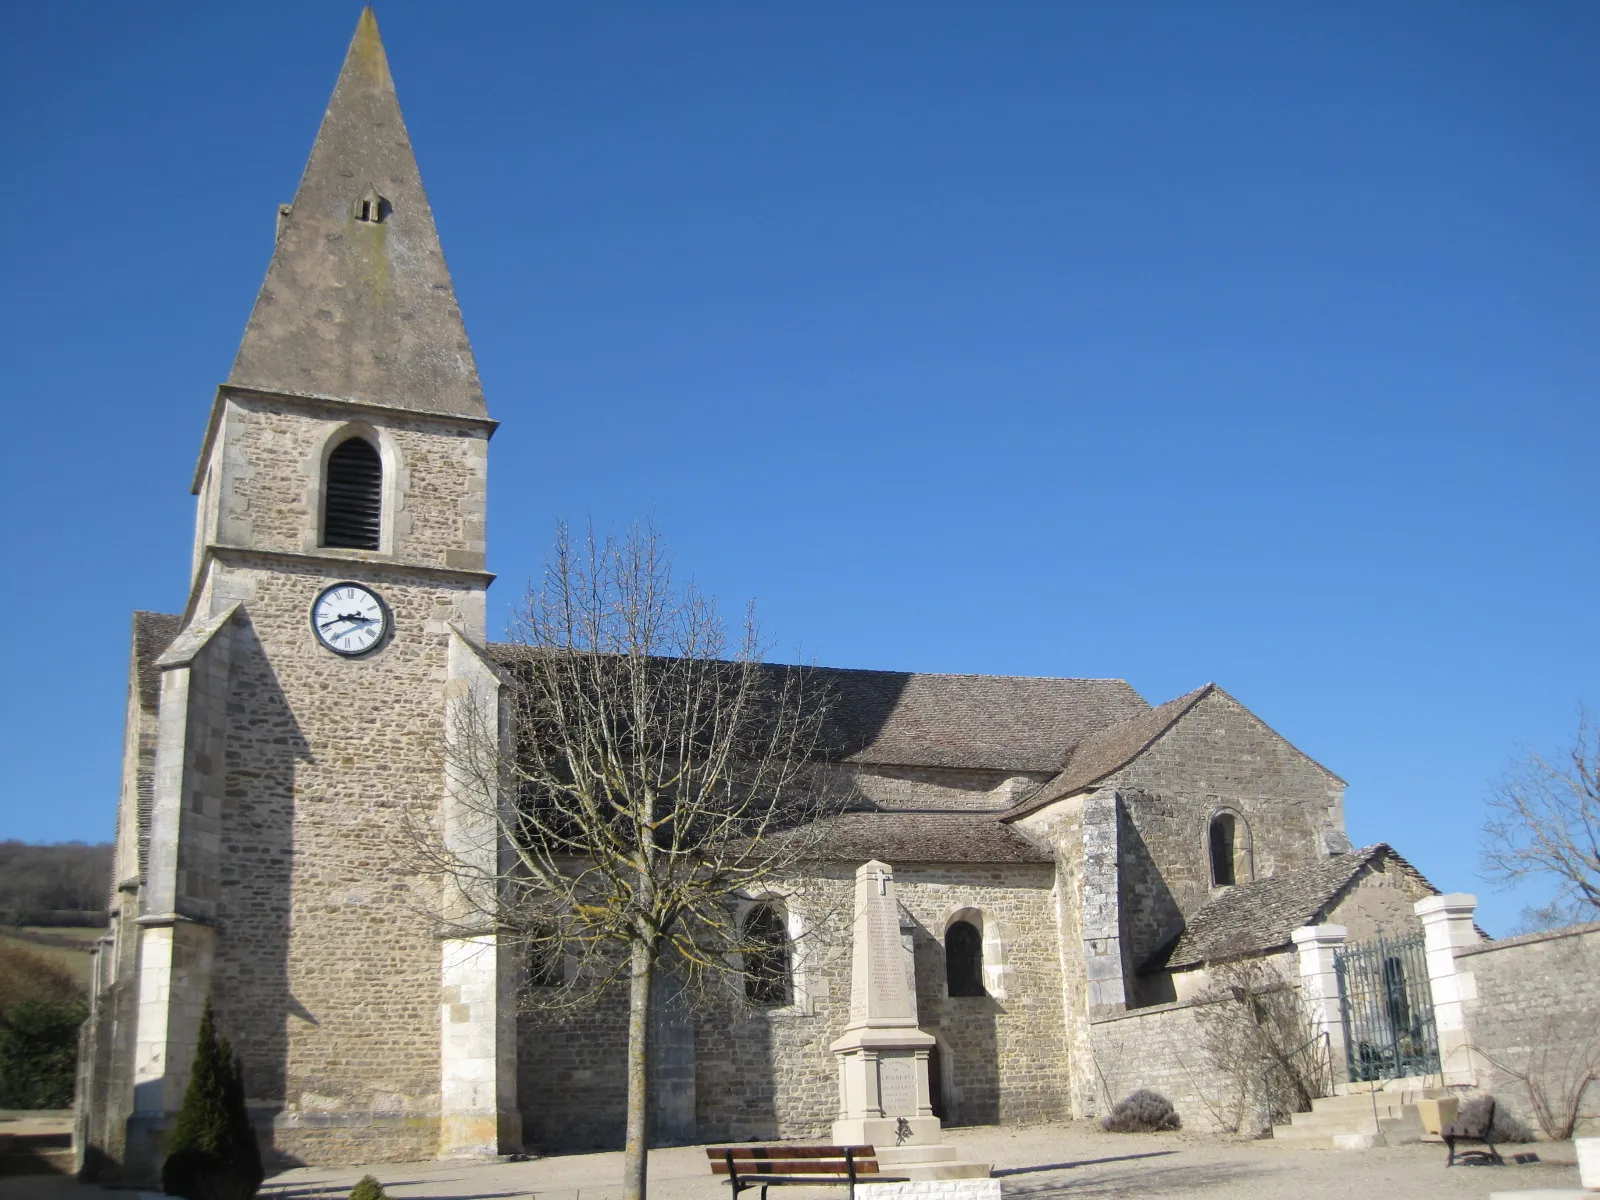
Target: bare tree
[(1544, 823), (644, 778), (1256, 1028), (1557, 1064)]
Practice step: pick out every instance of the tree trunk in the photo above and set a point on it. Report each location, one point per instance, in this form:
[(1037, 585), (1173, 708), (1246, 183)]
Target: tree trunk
[(634, 1158)]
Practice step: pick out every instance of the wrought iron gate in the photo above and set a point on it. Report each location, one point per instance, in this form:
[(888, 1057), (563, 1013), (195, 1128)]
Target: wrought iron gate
[(1388, 1009)]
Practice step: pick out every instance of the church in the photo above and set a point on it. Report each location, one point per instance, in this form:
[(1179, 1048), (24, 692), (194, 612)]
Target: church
[(1069, 857)]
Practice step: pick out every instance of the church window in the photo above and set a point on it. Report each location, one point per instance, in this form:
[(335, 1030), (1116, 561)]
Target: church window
[(353, 508), (963, 959), (1222, 839), (545, 967), (766, 957)]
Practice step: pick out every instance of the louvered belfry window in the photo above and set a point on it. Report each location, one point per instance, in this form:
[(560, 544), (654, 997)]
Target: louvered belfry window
[(353, 508)]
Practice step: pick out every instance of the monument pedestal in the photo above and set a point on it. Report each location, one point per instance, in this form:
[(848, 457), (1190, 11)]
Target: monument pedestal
[(883, 1056)]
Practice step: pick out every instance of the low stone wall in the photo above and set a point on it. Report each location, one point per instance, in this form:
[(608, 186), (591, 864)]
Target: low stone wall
[(1159, 1048), (1533, 1008)]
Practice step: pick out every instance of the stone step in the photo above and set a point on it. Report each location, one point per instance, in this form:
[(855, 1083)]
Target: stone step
[(1354, 1130), (953, 1169), (36, 1154), (898, 1156), (923, 1163)]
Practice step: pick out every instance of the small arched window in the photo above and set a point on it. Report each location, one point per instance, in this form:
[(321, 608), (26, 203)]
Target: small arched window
[(352, 509), (545, 966), (963, 959), (1222, 836), (766, 957)]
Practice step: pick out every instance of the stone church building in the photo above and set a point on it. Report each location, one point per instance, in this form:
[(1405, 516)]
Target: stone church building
[(1067, 855)]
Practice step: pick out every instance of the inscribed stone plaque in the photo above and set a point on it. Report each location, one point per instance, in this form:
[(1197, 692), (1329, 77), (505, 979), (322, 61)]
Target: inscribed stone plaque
[(897, 1085)]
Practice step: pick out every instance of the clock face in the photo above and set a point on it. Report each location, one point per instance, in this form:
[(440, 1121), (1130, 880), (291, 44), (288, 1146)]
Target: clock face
[(349, 619)]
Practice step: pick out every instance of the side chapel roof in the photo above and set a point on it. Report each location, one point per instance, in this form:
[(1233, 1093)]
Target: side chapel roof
[(152, 634), (902, 837), (1259, 916)]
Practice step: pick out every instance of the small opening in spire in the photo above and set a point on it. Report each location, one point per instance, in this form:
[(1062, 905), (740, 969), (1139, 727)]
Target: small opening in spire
[(370, 208)]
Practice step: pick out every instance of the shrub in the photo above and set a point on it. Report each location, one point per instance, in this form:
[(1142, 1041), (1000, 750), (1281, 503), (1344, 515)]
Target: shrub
[(1508, 1127), (212, 1154), (1142, 1111), (368, 1188), (39, 1053), (25, 975)]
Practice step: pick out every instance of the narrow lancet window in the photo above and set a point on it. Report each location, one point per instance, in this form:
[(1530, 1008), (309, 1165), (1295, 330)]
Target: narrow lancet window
[(545, 966), (352, 511), (1222, 838), (766, 957), (963, 959)]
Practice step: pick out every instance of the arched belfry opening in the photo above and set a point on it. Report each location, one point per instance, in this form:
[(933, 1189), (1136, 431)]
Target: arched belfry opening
[(352, 509)]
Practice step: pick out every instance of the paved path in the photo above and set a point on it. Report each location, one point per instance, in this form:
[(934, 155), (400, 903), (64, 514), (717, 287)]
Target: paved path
[(1046, 1162)]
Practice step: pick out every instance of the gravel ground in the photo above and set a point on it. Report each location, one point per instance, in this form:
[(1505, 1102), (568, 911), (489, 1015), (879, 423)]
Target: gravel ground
[(1046, 1162)]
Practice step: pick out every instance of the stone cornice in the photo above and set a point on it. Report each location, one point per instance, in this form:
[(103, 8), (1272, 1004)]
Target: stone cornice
[(332, 562), (321, 406), (156, 920)]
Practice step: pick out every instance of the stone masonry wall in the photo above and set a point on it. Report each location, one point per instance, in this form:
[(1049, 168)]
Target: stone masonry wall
[(1159, 1048), (327, 969), (265, 484), (765, 1074), (1381, 900), (1218, 755), (1534, 1007)]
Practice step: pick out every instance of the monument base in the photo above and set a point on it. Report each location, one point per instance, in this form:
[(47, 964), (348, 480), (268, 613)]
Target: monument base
[(885, 1133), (923, 1164)]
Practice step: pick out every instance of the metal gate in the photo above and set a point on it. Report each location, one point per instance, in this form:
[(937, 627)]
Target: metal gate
[(1387, 1006)]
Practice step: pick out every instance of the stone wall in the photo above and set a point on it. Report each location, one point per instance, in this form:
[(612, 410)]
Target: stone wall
[(1382, 899), (1533, 1006), (1218, 755), (1085, 900), (769, 1073), (1159, 1048), (263, 486)]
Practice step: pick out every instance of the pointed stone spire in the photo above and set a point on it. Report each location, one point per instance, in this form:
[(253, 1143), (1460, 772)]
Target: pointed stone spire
[(358, 303)]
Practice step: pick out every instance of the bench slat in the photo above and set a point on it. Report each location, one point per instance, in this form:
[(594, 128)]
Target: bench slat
[(797, 1166), (719, 1152), (815, 1180)]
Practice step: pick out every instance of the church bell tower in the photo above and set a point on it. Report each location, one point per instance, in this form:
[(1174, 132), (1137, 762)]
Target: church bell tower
[(335, 613)]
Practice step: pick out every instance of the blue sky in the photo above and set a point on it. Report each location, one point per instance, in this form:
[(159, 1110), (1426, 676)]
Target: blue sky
[(1245, 342)]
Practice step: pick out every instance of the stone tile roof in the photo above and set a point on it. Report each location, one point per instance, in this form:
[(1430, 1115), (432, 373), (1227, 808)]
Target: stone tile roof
[(1108, 750), (925, 837), (152, 634), (979, 722), (352, 308), (1001, 722), (1260, 916)]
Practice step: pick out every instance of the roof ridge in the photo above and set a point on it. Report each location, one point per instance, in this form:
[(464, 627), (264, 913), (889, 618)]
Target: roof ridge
[(1175, 709), (919, 674)]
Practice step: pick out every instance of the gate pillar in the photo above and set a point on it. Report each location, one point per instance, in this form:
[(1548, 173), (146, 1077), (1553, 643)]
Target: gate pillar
[(1446, 926), (1318, 947)]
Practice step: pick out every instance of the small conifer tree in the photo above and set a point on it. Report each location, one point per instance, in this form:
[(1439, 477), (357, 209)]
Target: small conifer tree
[(213, 1154), (368, 1188)]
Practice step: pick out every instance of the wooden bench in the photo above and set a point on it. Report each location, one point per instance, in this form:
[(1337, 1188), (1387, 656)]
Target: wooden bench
[(1474, 1123), (789, 1166)]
